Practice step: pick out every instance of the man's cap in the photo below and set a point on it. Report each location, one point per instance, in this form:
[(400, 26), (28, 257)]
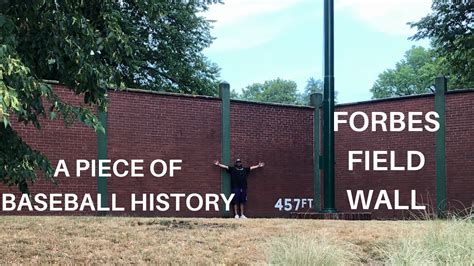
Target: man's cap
[(238, 161)]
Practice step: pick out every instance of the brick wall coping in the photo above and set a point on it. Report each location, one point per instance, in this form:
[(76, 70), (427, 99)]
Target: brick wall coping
[(404, 97), (471, 90)]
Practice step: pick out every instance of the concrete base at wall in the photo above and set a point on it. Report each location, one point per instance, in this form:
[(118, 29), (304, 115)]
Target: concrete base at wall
[(332, 216)]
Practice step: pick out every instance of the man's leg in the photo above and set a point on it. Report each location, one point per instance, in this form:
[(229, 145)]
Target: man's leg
[(243, 200), (236, 209), (235, 202)]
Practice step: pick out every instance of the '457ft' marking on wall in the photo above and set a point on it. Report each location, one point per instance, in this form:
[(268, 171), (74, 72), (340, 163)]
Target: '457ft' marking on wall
[(293, 204)]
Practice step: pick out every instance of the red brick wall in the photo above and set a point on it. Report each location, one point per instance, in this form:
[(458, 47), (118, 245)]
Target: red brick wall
[(58, 142), (154, 126), (459, 155), (282, 138), (460, 149), (149, 126), (422, 181)]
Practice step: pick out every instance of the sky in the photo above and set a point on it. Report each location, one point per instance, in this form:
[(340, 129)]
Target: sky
[(259, 40)]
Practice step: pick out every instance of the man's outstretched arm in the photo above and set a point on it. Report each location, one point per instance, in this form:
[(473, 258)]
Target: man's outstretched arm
[(260, 164), (223, 166)]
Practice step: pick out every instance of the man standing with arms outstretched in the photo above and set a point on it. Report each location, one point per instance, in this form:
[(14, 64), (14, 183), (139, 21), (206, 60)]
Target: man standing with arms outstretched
[(238, 184)]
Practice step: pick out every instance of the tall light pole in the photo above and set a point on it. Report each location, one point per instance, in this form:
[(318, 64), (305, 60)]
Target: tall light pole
[(328, 108)]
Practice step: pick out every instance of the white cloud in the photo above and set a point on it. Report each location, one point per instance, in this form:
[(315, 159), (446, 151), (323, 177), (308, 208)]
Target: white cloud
[(247, 35), (238, 10), (243, 24), (387, 16)]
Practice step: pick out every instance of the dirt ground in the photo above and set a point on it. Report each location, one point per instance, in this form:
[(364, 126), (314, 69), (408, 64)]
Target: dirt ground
[(176, 240)]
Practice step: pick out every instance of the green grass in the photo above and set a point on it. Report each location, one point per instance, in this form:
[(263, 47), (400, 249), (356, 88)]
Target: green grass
[(304, 250), (443, 243)]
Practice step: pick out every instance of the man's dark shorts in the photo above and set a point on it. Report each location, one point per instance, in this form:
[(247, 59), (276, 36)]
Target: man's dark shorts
[(240, 195)]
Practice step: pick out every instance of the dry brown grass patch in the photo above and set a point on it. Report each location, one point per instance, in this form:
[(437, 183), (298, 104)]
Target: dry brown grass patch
[(125, 240)]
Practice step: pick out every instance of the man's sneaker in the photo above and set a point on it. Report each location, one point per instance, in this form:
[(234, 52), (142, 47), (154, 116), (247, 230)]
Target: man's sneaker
[(243, 217), (237, 216)]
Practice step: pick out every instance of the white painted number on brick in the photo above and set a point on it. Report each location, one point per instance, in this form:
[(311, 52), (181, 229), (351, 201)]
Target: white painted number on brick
[(293, 204)]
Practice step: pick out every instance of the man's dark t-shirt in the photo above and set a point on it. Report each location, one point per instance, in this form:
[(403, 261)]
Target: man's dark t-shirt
[(238, 177)]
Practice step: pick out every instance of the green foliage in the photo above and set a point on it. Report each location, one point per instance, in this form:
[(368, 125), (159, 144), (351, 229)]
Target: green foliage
[(91, 46), (414, 74), (280, 91), (234, 94), (450, 27), (274, 91), (17, 159), (312, 86)]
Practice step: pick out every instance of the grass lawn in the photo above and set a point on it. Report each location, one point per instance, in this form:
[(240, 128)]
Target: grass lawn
[(210, 241)]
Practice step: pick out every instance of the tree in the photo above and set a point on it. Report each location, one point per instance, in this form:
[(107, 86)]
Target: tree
[(312, 86), (275, 91), (280, 91), (234, 94), (450, 27), (91, 46), (414, 74)]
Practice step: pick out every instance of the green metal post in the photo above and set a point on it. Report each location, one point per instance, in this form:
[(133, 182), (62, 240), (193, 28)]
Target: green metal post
[(440, 108), (102, 154), (224, 93), (315, 100), (328, 105)]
